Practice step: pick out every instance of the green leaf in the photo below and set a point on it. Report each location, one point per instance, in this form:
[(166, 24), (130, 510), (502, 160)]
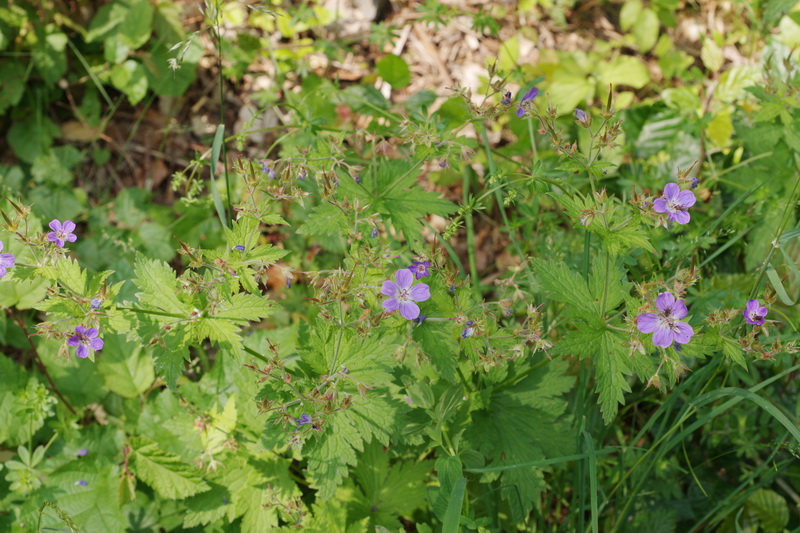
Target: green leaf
[(126, 369), (138, 23), (106, 20), (524, 421), (436, 339), (49, 55), (770, 510), (611, 368), (565, 285), (159, 285), (452, 517), (216, 150), (645, 31), (711, 55), (12, 83), (325, 219), (245, 307), (394, 70), (131, 78), (386, 491), (30, 138), (626, 71), (168, 474)]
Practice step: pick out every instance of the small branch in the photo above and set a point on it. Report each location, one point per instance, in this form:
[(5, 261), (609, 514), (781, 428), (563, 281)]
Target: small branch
[(21, 323)]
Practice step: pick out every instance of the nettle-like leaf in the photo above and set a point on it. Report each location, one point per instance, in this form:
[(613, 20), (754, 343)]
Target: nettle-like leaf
[(387, 492), (390, 188), (158, 284), (567, 286), (524, 421), (374, 416), (168, 474)]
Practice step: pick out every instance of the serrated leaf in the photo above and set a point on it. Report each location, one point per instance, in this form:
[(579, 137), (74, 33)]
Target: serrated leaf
[(524, 422), (611, 368), (168, 474), (245, 307), (158, 284), (325, 219), (565, 285)]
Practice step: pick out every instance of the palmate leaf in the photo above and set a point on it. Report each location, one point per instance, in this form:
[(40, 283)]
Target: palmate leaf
[(390, 187), (387, 492), (168, 474), (373, 416), (565, 285), (524, 422)]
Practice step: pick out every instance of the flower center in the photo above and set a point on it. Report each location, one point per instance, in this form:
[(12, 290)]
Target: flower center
[(403, 295), (664, 321), (61, 234), (673, 206)]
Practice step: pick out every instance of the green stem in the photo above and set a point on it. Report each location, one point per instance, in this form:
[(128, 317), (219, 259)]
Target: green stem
[(222, 111), (473, 264), (502, 208)]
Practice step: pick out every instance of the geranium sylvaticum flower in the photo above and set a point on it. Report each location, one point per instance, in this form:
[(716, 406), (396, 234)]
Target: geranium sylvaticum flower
[(754, 313), (95, 303), (239, 247), (675, 203), (402, 295), (303, 420), (665, 325), (420, 269), (6, 261), (86, 341), (530, 95), (61, 233), (506, 98)]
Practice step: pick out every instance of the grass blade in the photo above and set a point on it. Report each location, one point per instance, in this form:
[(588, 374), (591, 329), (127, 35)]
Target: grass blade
[(219, 138), (592, 480), (452, 517)]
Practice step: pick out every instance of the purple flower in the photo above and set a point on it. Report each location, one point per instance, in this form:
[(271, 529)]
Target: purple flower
[(61, 232), (357, 178), (83, 452), (675, 202), (95, 303), (288, 283), (695, 182), (420, 319), (268, 170), (530, 95), (239, 247), (580, 114), (374, 233), (302, 174), (82, 483), (467, 332), (665, 325), (452, 288), (6, 261), (85, 340), (754, 313), (469, 322), (506, 98), (303, 420), (402, 295), (420, 269)]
